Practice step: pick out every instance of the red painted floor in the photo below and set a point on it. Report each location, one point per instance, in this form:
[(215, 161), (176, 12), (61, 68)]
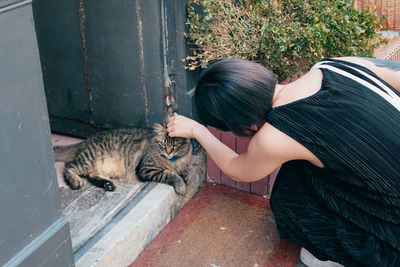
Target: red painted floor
[(220, 226)]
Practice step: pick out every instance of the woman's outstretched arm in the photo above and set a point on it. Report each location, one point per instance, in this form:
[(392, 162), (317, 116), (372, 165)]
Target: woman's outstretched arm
[(267, 150)]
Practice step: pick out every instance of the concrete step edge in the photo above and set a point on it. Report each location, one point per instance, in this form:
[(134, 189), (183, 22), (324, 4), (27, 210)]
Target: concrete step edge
[(126, 238)]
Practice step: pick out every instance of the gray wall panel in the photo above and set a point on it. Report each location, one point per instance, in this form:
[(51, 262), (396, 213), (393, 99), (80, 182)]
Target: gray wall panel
[(29, 196), (5, 3)]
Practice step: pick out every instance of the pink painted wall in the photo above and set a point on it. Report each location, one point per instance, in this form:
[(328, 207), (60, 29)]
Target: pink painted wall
[(215, 175)]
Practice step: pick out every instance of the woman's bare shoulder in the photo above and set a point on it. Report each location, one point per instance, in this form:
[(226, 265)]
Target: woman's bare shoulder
[(305, 86), (278, 144)]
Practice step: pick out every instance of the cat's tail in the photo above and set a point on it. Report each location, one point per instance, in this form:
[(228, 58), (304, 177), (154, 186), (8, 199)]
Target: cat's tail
[(65, 153)]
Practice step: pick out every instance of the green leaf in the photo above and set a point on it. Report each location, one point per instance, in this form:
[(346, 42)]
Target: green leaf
[(278, 33)]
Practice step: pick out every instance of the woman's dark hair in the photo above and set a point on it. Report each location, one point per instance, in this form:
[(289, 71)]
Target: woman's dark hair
[(233, 94)]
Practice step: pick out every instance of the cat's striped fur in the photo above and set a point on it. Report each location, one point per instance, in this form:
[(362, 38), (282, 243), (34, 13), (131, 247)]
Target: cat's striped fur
[(127, 153)]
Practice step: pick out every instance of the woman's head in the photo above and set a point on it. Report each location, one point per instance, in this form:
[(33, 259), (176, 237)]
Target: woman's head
[(233, 94)]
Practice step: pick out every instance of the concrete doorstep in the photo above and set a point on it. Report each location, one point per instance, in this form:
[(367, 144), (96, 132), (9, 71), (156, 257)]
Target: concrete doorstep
[(122, 240), (112, 228)]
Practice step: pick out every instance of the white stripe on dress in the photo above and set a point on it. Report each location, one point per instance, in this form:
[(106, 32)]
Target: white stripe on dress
[(385, 92)]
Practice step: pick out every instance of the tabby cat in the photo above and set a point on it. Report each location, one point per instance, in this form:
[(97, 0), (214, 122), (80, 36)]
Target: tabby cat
[(127, 153)]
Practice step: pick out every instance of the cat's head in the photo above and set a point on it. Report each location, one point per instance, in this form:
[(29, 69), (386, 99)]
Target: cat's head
[(170, 147)]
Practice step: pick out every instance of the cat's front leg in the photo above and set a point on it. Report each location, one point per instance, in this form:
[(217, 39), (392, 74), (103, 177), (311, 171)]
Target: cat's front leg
[(185, 176), (154, 174), (176, 181)]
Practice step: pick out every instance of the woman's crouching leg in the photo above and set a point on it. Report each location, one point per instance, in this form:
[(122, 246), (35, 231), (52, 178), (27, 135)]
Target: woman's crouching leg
[(304, 219)]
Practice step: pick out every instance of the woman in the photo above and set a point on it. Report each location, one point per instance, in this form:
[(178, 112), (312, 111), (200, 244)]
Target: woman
[(336, 133)]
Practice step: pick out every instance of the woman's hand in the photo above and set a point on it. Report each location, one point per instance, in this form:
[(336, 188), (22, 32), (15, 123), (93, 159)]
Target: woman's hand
[(181, 126)]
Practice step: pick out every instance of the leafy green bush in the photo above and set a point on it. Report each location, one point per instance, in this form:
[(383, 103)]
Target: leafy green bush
[(288, 36)]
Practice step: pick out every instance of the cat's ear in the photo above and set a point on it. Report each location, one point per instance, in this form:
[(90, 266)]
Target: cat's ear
[(159, 130)]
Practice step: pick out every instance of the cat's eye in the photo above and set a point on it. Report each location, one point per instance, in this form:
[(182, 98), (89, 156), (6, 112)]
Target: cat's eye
[(162, 144)]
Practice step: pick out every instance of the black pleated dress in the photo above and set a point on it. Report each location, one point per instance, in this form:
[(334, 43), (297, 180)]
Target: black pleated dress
[(348, 211)]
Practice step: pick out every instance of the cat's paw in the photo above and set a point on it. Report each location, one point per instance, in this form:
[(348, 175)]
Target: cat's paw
[(109, 186), (76, 184), (180, 188)]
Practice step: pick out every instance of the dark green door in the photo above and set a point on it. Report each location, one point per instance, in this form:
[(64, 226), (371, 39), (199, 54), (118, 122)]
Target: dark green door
[(109, 63)]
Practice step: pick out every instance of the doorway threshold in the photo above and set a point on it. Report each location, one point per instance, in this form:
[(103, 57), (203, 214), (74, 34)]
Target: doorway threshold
[(112, 228)]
